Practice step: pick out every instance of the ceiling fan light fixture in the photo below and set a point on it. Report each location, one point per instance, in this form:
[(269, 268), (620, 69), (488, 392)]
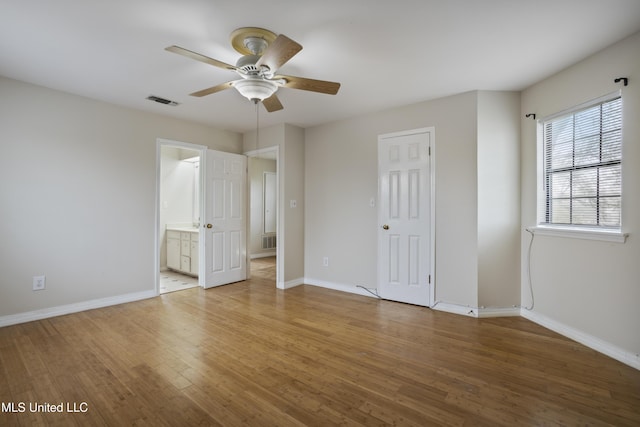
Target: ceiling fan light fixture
[(263, 55), (256, 89)]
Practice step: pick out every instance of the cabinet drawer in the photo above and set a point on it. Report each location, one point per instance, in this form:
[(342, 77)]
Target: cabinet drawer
[(185, 235), (173, 234), (194, 237), (185, 247)]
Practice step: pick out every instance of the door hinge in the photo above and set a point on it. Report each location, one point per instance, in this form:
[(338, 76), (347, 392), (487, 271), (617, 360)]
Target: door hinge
[(429, 279), (429, 150)]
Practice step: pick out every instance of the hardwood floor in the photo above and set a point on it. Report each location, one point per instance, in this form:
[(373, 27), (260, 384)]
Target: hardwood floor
[(248, 354), (264, 268)]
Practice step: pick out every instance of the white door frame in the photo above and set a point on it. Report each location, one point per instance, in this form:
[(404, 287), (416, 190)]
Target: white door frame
[(161, 142), (432, 200), (279, 227)]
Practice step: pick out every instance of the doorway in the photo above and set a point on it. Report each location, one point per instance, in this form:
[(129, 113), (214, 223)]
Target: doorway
[(178, 216), (263, 214), (196, 262)]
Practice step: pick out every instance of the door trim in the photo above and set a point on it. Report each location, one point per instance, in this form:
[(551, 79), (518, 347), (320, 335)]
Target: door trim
[(161, 142), (432, 199)]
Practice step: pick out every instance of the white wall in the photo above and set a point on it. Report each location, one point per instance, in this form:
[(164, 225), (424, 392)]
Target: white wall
[(293, 177), (341, 178), (591, 288), (498, 199), (78, 191)]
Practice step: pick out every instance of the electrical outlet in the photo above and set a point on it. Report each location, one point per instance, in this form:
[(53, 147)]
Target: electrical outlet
[(39, 283), (325, 261)]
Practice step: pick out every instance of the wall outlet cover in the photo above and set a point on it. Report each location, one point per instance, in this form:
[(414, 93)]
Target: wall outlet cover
[(39, 283)]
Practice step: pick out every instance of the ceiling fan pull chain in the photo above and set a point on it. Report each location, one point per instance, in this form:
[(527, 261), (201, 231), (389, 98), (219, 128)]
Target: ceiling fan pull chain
[(257, 127)]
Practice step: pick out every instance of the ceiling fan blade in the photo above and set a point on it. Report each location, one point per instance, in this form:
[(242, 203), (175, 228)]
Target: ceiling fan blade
[(272, 103), (278, 53), (213, 89), (198, 57), (321, 86)]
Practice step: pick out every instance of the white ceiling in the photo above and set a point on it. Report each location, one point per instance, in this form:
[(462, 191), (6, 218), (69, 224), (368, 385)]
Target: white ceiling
[(385, 53)]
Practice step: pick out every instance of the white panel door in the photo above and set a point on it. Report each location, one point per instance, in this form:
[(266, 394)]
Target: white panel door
[(224, 225), (404, 241)]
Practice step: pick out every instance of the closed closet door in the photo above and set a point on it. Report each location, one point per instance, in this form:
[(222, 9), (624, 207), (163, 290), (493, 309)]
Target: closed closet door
[(404, 240)]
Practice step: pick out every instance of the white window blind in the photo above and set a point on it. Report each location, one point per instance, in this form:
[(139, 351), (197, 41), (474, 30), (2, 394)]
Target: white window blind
[(582, 167)]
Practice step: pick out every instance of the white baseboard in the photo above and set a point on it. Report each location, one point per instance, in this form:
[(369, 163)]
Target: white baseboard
[(337, 287), (604, 347), (455, 309), (291, 283), (498, 312), (262, 255), (479, 312), (45, 313)]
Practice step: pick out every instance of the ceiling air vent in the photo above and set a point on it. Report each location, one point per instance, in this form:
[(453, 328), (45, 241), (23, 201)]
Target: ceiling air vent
[(162, 100)]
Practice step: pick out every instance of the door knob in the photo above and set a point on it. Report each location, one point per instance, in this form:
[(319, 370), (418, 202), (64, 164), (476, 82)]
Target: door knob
[(385, 227), (209, 226)]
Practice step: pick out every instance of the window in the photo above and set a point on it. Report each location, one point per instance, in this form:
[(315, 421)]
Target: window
[(582, 167)]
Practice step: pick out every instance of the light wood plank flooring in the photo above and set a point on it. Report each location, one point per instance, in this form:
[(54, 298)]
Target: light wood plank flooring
[(248, 354), (264, 268)]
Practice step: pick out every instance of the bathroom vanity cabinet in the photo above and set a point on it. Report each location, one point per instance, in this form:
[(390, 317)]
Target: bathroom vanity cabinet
[(182, 250)]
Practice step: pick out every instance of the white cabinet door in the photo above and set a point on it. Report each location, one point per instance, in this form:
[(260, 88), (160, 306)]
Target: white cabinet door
[(185, 264), (173, 252), (194, 254)]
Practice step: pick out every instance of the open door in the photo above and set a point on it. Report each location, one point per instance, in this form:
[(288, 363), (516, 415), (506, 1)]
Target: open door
[(224, 223)]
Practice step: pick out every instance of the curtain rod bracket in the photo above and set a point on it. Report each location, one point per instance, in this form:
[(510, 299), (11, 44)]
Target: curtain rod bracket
[(532, 115), (624, 80)]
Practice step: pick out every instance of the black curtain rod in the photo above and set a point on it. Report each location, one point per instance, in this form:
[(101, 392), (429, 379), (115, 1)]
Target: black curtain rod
[(624, 80)]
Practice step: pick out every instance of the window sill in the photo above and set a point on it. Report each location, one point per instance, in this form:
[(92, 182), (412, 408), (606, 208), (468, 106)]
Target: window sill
[(574, 233)]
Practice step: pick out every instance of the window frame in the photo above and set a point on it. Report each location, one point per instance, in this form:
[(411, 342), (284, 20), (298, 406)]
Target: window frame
[(591, 232)]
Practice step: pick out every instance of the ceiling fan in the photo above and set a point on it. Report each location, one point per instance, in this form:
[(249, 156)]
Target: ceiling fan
[(263, 54)]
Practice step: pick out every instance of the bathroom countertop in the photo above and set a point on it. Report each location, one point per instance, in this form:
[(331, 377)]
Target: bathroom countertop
[(186, 229)]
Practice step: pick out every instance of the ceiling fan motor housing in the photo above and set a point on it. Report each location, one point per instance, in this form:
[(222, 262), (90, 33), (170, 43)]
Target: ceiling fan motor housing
[(247, 64)]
